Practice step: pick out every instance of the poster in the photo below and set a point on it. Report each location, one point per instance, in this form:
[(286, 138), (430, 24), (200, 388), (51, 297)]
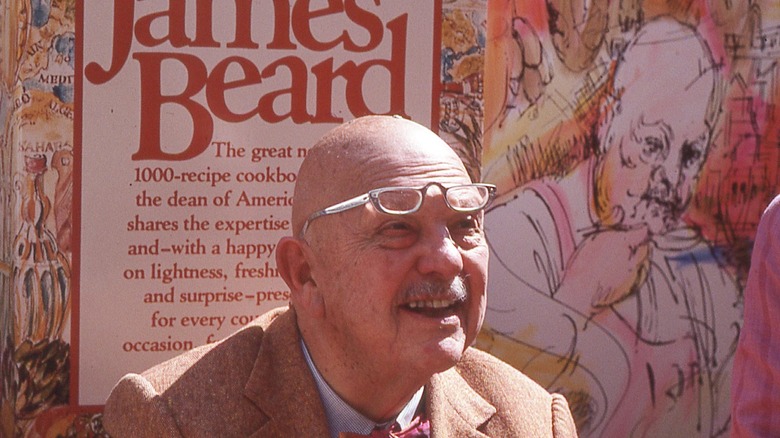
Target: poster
[(194, 122), (634, 145)]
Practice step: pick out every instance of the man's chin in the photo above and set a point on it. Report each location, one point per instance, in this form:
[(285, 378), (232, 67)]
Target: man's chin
[(662, 223), (658, 217), (445, 354)]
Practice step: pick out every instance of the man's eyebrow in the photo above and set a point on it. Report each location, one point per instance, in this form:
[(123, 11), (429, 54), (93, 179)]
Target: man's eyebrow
[(666, 129)]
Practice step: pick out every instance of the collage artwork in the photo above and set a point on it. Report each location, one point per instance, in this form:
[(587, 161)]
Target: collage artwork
[(634, 144)]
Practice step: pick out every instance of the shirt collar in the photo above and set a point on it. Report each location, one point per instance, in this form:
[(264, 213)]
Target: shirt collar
[(344, 418)]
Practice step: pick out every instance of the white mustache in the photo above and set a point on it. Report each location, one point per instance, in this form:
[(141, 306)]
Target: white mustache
[(434, 289)]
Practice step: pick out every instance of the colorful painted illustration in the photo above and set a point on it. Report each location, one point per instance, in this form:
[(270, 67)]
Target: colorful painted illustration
[(36, 184), (634, 146), (461, 112)]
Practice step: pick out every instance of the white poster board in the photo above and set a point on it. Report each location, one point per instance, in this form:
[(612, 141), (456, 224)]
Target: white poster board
[(194, 119)]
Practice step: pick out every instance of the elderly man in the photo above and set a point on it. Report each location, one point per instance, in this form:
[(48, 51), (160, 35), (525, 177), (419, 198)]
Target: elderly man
[(387, 272)]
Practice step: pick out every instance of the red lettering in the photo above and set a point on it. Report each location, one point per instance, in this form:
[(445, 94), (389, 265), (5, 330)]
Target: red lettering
[(282, 23), (396, 66), (207, 94), (243, 26), (203, 21), (366, 20), (296, 91), (176, 35), (124, 13), (152, 101), (217, 85), (302, 24), (324, 102)]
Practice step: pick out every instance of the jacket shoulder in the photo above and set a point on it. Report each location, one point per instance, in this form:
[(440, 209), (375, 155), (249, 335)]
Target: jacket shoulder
[(515, 396), (135, 409), (237, 351), (489, 375), (201, 386)]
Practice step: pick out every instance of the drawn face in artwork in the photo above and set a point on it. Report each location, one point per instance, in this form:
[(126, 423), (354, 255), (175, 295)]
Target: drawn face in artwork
[(657, 141)]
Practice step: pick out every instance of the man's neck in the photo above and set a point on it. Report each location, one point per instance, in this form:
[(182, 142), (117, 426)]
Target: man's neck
[(377, 397), (342, 417)]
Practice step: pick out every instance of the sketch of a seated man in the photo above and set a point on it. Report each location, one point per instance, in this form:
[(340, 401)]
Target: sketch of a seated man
[(596, 280)]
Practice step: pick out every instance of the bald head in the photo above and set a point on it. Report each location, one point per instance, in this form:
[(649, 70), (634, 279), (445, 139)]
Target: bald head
[(666, 69), (667, 58), (367, 153), (668, 51)]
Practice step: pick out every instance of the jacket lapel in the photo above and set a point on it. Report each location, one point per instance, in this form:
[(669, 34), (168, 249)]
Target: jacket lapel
[(455, 408), (282, 386), (284, 391)]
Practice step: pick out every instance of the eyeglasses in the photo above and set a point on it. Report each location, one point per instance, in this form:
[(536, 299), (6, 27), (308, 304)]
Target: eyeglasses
[(406, 200)]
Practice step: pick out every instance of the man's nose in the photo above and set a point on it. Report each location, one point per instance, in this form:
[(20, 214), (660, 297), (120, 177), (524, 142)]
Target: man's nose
[(440, 255), (665, 181)]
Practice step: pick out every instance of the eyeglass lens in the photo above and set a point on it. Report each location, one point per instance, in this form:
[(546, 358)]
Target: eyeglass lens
[(400, 200), (404, 200), (465, 198)]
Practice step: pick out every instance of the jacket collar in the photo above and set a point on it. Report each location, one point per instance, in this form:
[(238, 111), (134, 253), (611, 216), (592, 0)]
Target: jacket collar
[(282, 387), (455, 408)]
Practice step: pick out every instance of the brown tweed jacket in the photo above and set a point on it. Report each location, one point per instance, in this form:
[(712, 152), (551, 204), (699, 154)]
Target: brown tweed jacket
[(255, 383)]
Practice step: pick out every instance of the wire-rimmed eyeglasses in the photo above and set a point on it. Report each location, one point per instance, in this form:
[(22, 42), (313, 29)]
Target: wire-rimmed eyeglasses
[(406, 200)]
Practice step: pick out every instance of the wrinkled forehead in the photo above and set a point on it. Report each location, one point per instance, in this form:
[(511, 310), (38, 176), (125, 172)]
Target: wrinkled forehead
[(369, 153), (383, 150), (410, 164)]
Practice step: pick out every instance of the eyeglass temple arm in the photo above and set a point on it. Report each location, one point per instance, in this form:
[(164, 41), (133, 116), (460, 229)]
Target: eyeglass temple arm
[(341, 206)]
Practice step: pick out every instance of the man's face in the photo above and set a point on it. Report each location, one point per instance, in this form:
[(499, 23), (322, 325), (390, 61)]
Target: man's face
[(658, 143), (407, 292)]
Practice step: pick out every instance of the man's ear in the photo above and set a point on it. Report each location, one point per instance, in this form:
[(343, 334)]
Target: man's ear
[(293, 260)]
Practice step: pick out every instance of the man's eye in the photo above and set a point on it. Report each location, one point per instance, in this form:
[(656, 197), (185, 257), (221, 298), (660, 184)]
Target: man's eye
[(396, 235), (652, 146), (691, 156), (395, 228), (467, 225)]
